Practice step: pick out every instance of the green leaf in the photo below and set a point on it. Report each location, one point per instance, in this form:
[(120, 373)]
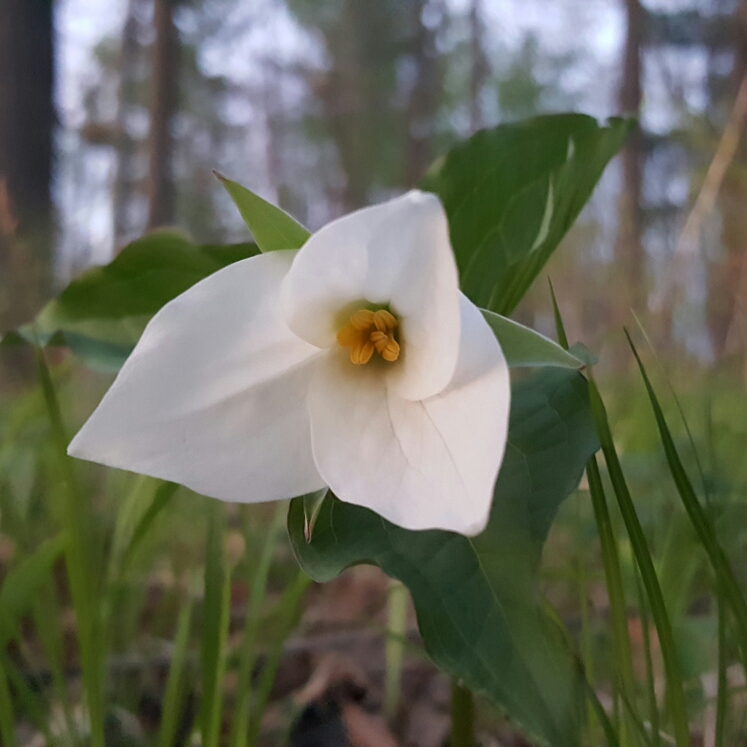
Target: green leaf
[(476, 598), (523, 346), (272, 228), (511, 193), (312, 504), (102, 313)]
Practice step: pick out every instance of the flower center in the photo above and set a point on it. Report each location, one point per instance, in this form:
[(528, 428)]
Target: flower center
[(368, 332)]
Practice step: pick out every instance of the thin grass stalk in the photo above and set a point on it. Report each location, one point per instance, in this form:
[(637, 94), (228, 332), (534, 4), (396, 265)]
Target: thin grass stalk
[(46, 621), (700, 520), (215, 626), (607, 727), (76, 516), (240, 727), (653, 706), (164, 493), (288, 616), (586, 642), (681, 411), (27, 699), (722, 691), (173, 699), (610, 560), (635, 719), (675, 691)]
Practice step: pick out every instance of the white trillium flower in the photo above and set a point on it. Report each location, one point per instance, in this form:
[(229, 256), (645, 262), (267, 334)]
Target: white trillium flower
[(354, 363)]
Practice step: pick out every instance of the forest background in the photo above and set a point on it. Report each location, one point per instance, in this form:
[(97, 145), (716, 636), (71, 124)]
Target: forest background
[(114, 113)]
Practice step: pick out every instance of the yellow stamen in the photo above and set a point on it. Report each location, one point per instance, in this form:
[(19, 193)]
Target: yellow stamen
[(362, 320), (384, 320), (368, 332)]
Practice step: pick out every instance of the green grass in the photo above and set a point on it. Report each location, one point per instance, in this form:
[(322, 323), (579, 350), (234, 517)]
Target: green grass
[(666, 551)]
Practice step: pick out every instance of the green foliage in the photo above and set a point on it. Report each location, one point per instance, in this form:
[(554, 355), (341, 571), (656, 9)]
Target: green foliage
[(272, 228), (475, 597), (523, 346), (22, 584), (672, 666), (102, 313), (214, 626), (512, 193), (729, 586), (80, 559), (173, 698), (247, 656)]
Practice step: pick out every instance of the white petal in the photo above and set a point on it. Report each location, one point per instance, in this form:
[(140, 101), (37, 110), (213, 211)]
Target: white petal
[(397, 253), (421, 465), (214, 395)]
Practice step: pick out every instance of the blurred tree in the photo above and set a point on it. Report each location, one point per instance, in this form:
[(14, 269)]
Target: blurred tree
[(164, 104), (381, 90), (728, 286), (130, 74), (629, 253), (27, 121), (165, 145), (480, 65), (163, 108), (425, 94)]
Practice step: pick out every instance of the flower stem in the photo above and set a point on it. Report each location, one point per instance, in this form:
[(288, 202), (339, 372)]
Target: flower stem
[(394, 650), (462, 716)]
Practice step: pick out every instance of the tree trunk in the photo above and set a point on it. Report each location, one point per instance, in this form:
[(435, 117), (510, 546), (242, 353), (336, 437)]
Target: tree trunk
[(424, 99), (726, 276), (480, 68), (124, 182), (165, 83), (629, 253), (27, 120)]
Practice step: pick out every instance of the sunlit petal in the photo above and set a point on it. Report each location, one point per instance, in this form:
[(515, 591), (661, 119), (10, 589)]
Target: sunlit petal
[(214, 394), (421, 465), (396, 254)]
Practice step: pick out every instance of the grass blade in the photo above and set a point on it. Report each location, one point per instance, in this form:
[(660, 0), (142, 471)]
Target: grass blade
[(613, 576), (635, 718), (28, 701), (47, 622), (240, 727), (288, 617), (7, 721), (675, 691), (173, 699), (164, 493), (610, 556), (215, 626), (700, 521), (602, 717), (722, 692), (653, 707), (76, 515)]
